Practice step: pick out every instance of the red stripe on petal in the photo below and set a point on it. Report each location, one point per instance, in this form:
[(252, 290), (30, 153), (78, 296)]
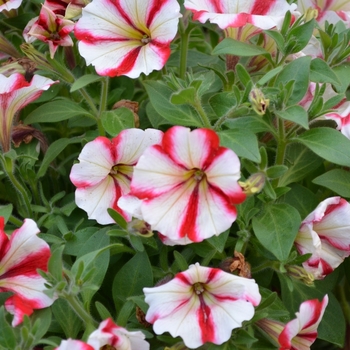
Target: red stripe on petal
[(155, 8), (125, 66), (109, 327), (4, 240), (262, 7), (162, 49), (205, 322), (330, 208), (241, 19), (212, 274), (217, 6), (183, 278), (29, 265)]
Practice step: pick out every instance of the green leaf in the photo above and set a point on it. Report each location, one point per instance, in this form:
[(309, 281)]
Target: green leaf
[(218, 242), (53, 151), (117, 218), (117, 120), (254, 124), (55, 263), (184, 96), (125, 312), (6, 211), (297, 70), (7, 334), (337, 180), (180, 261), (327, 143), (223, 103), (67, 318), (302, 162), (276, 171), (296, 114), (278, 38), (243, 75), (244, 144), (159, 95), (132, 278), (343, 74), (276, 229), (230, 46), (299, 37), (102, 311), (85, 80), (56, 111), (320, 72), (269, 75)]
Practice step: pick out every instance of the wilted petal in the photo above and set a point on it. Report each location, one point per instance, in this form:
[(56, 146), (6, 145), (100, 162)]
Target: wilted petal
[(20, 257), (237, 13), (201, 305), (301, 332), (127, 37), (108, 333)]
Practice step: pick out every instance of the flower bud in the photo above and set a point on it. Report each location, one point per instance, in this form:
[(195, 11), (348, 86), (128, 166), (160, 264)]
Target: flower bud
[(310, 14), (258, 101), (254, 184), (140, 228), (300, 274)]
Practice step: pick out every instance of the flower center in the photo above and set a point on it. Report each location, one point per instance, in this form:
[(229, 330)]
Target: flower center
[(114, 170), (146, 39), (198, 174), (198, 288)]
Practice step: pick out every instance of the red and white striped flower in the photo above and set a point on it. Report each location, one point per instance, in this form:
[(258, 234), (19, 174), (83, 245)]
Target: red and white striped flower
[(105, 170), (16, 93), (341, 116), (301, 332), (237, 13), (21, 256), (126, 37), (325, 233), (327, 10), (8, 5), (50, 28), (71, 344), (188, 185), (108, 333), (201, 305)]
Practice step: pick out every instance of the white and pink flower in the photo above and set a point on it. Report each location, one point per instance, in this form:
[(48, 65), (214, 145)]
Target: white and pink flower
[(341, 116), (237, 13), (20, 258), (327, 10), (8, 5), (201, 305), (301, 332), (325, 233), (108, 333), (105, 171), (16, 93), (126, 37), (188, 185), (50, 28)]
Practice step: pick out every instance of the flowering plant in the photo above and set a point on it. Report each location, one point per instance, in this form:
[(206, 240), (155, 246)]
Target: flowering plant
[(174, 174)]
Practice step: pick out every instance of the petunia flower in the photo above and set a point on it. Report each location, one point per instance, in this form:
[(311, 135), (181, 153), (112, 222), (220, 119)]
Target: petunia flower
[(237, 13), (299, 333), (127, 37), (105, 170), (71, 344), (50, 28), (188, 185), (16, 93), (325, 233), (332, 11), (108, 333), (341, 116), (20, 258), (8, 5), (201, 305)]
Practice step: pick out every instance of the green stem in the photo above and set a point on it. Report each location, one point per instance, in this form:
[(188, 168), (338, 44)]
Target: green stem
[(103, 104), (185, 35), (78, 308), (344, 302), (281, 147), (200, 110), (15, 221), (266, 265), (89, 101)]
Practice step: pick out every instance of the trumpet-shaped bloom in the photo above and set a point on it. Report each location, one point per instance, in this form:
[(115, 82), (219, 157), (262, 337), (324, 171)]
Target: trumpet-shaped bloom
[(51, 28), (108, 333), (8, 5), (201, 304), (16, 93), (188, 185), (71, 344), (20, 257), (126, 37), (301, 332), (325, 233), (105, 170), (327, 10), (237, 13)]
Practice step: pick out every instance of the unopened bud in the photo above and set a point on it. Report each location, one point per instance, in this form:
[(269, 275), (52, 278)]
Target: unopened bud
[(254, 184), (310, 14), (258, 101), (140, 228), (300, 274)]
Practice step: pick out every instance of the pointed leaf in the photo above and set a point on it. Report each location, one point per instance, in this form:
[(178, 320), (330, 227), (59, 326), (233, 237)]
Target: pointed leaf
[(230, 46), (337, 180)]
